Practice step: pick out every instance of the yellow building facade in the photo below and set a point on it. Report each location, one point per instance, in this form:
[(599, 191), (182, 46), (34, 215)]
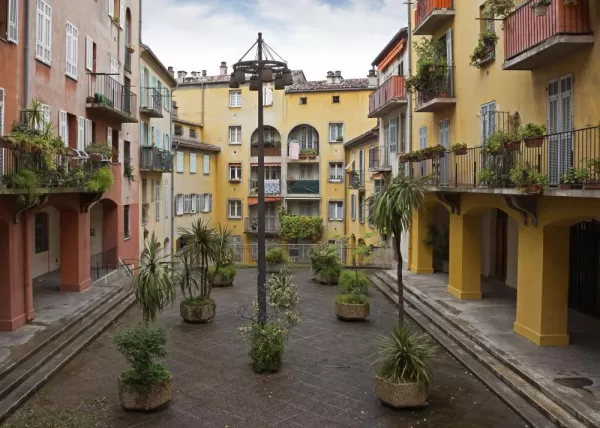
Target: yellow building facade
[(522, 211), (306, 126)]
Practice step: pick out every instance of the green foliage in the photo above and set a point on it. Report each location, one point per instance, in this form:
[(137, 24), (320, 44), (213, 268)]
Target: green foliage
[(431, 65), (224, 254), (576, 176), (101, 180), (309, 152), (26, 180), (495, 143), (404, 355), (497, 8), (141, 346), (101, 150), (129, 171), (227, 272), (458, 147), (353, 282), (482, 49), (523, 175), (353, 299), (153, 286), (325, 261), (301, 227), (266, 345), (276, 256), (532, 130), (486, 177)]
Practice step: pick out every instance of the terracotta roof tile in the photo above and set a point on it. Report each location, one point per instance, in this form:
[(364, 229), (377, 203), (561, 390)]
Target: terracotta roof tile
[(323, 86), (195, 145)]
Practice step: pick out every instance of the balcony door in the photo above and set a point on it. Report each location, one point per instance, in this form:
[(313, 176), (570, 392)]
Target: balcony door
[(444, 163), (560, 127)]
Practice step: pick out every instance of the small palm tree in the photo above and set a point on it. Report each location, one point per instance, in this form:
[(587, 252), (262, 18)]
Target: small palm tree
[(223, 249), (392, 211), (153, 286)]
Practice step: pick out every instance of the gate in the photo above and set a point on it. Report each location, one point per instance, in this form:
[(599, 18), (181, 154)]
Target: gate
[(584, 268)]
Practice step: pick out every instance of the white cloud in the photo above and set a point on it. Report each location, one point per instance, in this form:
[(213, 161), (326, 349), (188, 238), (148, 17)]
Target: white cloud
[(312, 35)]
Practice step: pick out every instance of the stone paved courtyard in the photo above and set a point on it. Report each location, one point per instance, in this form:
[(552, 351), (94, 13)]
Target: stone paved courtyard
[(326, 379)]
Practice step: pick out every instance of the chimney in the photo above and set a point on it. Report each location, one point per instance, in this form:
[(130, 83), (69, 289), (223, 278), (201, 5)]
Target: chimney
[(330, 77), (223, 68), (203, 73), (171, 72), (194, 74), (181, 75), (337, 78), (372, 78)]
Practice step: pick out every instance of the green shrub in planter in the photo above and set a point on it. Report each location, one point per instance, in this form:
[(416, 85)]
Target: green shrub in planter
[(222, 276), (276, 260), (325, 262), (353, 282), (353, 304)]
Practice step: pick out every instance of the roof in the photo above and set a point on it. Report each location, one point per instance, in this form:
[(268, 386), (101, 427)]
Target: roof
[(182, 142), (402, 34), (187, 122), (164, 69), (323, 86), (371, 134), (223, 78)]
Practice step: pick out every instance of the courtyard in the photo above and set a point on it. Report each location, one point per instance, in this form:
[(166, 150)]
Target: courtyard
[(326, 379)]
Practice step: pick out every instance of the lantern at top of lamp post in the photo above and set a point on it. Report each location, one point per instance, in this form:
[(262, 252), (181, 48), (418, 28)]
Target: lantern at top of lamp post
[(267, 75), (233, 83), (239, 76), (279, 82), (287, 77), (254, 83)]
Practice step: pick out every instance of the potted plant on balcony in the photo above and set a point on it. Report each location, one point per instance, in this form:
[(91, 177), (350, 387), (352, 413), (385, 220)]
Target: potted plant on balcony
[(311, 153), (486, 178), (404, 379), (497, 8), (438, 151), (502, 139), (404, 158), (303, 153), (325, 263), (489, 38), (276, 260), (484, 48), (594, 172), (574, 178), (353, 304), (130, 48), (459, 149), (527, 180), (541, 7), (532, 134)]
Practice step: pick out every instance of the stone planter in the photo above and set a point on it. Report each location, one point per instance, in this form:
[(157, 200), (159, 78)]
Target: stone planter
[(400, 395), (219, 281), (197, 313), (352, 312), (326, 279), (275, 267), (147, 398)]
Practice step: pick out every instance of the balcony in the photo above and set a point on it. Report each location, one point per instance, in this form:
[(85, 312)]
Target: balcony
[(155, 159), (357, 180), (380, 159), (151, 104), (272, 188), (554, 156), (302, 187), (271, 225), (308, 153), (438, 93), (390, 95), (270, 150), (432, 15), (107, 96), (532, 41)]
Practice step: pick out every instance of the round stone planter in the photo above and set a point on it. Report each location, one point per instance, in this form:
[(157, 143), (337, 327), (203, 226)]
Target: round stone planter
[(352, 312), (326, 279), (197, 313), (400, 395), (275, 267), (146, 398), (219, 281)]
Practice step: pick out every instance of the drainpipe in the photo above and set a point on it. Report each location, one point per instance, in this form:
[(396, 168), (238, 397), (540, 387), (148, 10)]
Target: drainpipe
[(174, 157), (203, 98), (409, 118), (27, 284), (140, 32), (26, 71)]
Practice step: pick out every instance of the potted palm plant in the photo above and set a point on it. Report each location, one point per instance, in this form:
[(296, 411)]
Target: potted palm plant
[(353, 304), (276, 260), (404, 379), (574, 178), (148, 383), (223, 272), (325, 263)]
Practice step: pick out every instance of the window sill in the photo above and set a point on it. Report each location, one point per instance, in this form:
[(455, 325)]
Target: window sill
[(336, 219), (71, 77), (235, 106), (235, 181), (43, 61), (235, 144), (335, 180), (336, 142), (127, 238), (234, 218)]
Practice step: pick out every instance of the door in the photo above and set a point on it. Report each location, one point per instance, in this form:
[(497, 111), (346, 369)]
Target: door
[(449, 59), (444, 163), (584, 271), (422, 145), (488, 125), (501, 245), (560, 127)]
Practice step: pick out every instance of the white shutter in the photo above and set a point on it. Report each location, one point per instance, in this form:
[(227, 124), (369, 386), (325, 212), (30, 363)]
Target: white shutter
[(109, 136), (43, 50), (122, 14), (13, 21), (167, 198), (449, 61), (111, 8), (193, 163), (89, 53), (179, 161), (88, 132), (63, 129), (179, 204), (72, 37), (267, 96), (80, 133), (206, 164), (194, 203), (121, 151)]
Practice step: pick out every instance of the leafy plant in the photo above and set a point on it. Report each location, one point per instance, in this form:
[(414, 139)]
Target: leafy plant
[(482, 49), (438, 150), (531, 130), (405, 355), (276, 256), (325, 261), (497, 8), (458, 147), (299, 226), (103, 150), (28, 181), (353, 282), (495, 143), (309, 152), (224, 253), (227, 272), (141, 346), (539, 3), (353, 299), (576, 176), (101, 180), (439, 242), (129, 171), (431, 65), (486, 177), (523, 175)]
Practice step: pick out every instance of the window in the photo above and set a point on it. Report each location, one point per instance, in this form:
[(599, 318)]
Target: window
[(194, 202), (193, 163), (81, 133), (378, 186), (235, 98), (63, 128), (336, 171), (126, 231), (267, 96), (335, 99), (336, 132), (206, 164), (235, 135), (305, 172), (393, 134), (179, 205), (235, 172), (235, 208), (187, 204), (178, 130), (336, 210), (303, 101), (45, 109), (193, 133), (361, 207), (42, 233), (272, 172), (90, 54), (43, 45), (353, 207), (157, 199), (72, 39), (204, 202), (12, 31), (180, 156)]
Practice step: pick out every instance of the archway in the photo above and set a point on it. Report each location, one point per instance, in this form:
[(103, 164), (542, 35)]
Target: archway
[(584, 268), (306, 136), (272, 140)]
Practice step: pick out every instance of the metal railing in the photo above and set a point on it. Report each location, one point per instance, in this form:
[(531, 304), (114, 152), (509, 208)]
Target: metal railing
[(303, 187), (106, 91), (553, 155), (153, 158), (272, 187), (394, 87), (152, 99), (524, 30), (103, 263), (271, 225), (304, 147), (380, 158), (440, 86), (426, 8), (356, 179)]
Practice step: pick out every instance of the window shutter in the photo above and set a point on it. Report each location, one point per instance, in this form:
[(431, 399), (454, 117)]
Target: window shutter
[(158, 140), (111, 8), (194, 203), (179, 161), (13, 21), (88, 132), (1, 112), (210, 202), (122, 14), (121, 151), (72, 36), (353, 207), (331, 210), (80, 133), (206, 164), (109, 136), (63, 131), (393, 138), (166, 199), (89, 53), (193, 163)]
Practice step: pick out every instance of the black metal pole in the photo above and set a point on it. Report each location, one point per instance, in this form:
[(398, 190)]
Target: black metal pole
[(262, 268)]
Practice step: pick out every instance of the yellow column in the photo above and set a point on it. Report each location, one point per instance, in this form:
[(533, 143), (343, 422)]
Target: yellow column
[(465, 257), (421, 260), (543, 285)]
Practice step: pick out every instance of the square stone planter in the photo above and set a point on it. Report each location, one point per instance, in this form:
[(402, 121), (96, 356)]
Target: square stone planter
[(326, 279), (275, 267), (146, 398), (400, 395), (197, 313), (219, 281), (352, 312)]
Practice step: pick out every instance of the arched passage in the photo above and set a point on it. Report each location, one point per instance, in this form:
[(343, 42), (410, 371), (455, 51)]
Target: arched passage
[(272, 141), (306, 136)]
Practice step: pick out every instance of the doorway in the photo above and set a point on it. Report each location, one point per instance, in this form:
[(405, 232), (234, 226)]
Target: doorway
[(501, 245)]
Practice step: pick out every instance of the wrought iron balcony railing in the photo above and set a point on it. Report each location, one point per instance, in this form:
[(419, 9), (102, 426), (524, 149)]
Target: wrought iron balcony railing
[(439, 91), (107, 95), (380, 158), (151, 104), (155, 159), (271, 224), (391, 93), (356, 179)]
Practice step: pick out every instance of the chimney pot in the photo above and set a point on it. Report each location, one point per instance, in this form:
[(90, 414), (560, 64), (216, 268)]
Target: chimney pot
[(223, 68), (372, 76), (204, 73), (338, 73), (330, 77)]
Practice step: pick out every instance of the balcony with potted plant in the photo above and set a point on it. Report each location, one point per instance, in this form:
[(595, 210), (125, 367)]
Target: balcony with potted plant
[(485, 51)]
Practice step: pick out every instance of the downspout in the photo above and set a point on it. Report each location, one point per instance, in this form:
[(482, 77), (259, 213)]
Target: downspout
[(140, 9), (203, 97), (26, 71), (409, 117), (174, 157)]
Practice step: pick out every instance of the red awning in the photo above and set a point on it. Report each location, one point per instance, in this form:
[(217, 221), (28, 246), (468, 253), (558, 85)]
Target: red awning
[(254, 201), (390, 56)]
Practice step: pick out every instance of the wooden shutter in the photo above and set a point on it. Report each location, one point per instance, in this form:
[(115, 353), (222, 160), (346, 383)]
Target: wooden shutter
[(63, 130), (88, 132), (553, 127), (111, 8), (89, 53), (179, 161), (12, 34), (193, 163), (80, 133), (206, 164), (72, 36), (109, 136), (121, 148)]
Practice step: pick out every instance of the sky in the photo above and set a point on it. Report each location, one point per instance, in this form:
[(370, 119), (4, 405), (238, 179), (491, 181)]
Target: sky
[(315, 36)]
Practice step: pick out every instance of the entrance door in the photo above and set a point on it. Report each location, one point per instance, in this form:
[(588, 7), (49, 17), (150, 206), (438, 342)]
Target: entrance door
[(560, 127), (584, 268), (501, 245)]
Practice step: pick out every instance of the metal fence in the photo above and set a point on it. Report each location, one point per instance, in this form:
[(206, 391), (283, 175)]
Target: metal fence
[(101, 264)]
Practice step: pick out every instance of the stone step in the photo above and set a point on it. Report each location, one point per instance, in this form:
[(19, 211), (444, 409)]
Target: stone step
[(27, 375), (523, 397)]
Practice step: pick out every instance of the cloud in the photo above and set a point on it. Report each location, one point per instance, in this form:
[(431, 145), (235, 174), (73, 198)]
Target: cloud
[(313, 35)]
